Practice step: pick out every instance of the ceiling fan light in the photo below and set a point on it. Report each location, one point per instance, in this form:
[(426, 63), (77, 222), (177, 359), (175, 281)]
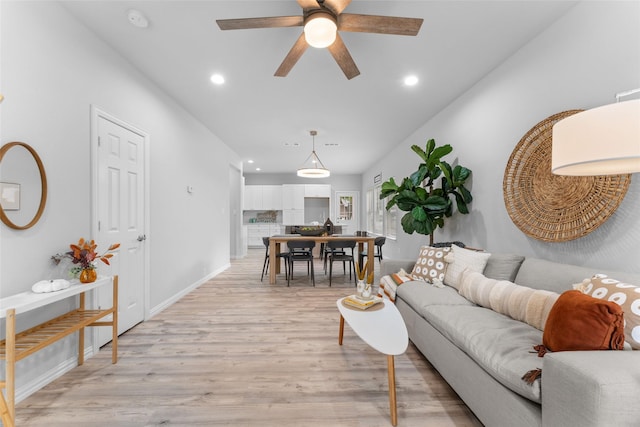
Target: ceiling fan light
[(320, 30)]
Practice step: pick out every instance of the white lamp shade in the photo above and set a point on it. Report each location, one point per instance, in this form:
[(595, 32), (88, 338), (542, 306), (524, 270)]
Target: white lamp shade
[(600, 141), (313, 168), (320, 30), (314, 173)]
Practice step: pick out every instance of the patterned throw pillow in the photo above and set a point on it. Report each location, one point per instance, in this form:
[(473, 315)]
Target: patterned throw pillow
[(464, 258), (625, 295), (389, 284), (430, 264)]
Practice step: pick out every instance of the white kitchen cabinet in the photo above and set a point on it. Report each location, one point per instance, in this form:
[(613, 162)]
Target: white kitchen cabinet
[(293, 204), (252, 197), (293, 196), (293, 217), (263, 197), (272, 197), (256, 231), (317, 190)]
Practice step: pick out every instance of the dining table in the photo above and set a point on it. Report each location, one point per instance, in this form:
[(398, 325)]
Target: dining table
[(277, 240)]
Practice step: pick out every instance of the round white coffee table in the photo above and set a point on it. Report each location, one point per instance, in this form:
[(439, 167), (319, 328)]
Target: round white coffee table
[(385, 331)]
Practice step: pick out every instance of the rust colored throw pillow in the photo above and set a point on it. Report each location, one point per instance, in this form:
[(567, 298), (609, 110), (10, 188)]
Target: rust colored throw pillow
[(580, 322)]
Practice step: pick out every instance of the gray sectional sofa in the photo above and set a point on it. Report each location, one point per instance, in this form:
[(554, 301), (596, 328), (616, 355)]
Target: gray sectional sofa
[(483, 354)]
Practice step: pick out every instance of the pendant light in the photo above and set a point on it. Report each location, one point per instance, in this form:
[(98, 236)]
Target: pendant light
[(600, 141), (313, 167)]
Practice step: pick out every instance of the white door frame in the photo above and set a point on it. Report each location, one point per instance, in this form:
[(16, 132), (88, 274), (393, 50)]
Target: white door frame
[(96, 113), (236, 248)]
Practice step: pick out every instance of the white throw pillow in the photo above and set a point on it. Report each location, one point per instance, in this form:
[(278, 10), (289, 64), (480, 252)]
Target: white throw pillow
[(464, 258)]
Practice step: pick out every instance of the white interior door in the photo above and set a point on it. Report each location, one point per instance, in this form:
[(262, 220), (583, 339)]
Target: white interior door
[(121, 218), (347, 211)]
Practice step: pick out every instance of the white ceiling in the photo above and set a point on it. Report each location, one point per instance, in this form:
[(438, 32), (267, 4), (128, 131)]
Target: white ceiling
[(256, 114)]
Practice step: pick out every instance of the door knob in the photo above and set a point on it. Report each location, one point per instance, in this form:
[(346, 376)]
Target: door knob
[(142, 237)]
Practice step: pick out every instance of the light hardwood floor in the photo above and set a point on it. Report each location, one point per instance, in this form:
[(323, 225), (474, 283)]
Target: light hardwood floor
[(238, 352)]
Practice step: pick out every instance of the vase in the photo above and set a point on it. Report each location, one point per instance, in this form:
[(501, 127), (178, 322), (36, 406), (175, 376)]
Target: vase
[(366, 292), (360, 287), (88, 275)]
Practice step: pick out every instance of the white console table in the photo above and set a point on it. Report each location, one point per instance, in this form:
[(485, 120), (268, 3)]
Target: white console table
[(17, 346)]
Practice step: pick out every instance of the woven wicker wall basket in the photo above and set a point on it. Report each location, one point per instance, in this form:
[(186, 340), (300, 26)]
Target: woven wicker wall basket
[(556, 208)]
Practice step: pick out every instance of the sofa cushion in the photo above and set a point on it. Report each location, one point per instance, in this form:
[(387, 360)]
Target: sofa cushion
[(553, 276), (420, 295), (430, 264), (581, 322), (503, 266), (500, 345), (625, 295), (522, 303), (464, 258)]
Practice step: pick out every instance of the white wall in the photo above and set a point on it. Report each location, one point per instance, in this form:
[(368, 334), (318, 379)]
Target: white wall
[(53, 69), (581, 61)]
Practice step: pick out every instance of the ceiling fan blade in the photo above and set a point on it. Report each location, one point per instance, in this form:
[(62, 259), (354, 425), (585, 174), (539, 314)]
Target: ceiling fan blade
[(268, 22), (336, 6), (307, 5), (342, 56), (292, 57), (379, 24)]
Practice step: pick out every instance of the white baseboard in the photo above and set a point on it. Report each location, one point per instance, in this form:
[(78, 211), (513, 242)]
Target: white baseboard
[(52, 374), (167, 303)]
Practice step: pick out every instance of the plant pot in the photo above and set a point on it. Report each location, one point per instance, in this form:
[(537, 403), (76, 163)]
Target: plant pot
[(88, 275)]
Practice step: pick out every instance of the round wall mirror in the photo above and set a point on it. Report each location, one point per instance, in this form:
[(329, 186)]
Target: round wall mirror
[(23, 186)]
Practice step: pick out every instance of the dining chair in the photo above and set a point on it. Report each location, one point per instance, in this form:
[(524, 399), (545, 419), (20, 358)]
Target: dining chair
[(338, 251), (301, 251), (281, 255), (378, 242)]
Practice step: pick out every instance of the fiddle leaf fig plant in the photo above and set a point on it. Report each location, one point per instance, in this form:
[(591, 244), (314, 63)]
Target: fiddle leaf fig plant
[(426, 195)]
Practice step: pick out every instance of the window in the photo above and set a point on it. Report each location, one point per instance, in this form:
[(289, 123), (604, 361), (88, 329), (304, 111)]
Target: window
[(369, 210), (379, 220), (378, 212), (391, 222)]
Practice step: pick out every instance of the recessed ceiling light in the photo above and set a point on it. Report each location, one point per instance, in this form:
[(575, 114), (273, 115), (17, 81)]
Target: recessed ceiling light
[(258, 169), (249, 161), (217, 79), (137, 19), (411, 80)]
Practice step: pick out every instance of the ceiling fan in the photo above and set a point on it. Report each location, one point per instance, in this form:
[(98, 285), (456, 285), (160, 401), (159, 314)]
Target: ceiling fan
[(322, 19)]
